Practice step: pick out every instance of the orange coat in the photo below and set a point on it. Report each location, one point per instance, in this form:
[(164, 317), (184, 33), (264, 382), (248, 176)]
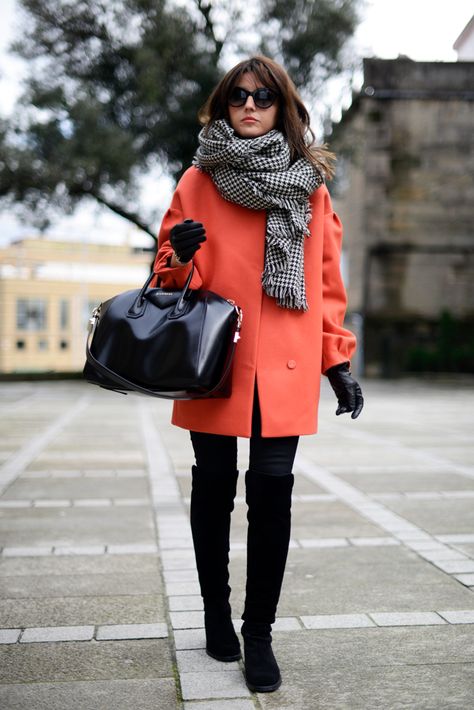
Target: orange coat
[(286, 350)]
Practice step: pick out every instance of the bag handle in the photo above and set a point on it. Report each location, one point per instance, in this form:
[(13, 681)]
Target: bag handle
[(138, 306)]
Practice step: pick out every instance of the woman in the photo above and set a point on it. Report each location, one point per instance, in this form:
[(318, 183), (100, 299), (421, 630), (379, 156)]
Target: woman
[(255, 217)]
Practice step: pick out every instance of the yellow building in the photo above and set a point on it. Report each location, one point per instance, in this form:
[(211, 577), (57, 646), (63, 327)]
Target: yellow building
[(47, 292)]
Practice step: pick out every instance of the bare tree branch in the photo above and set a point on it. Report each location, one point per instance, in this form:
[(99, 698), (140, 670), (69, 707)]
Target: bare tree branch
[(117, 209), (205, 10)]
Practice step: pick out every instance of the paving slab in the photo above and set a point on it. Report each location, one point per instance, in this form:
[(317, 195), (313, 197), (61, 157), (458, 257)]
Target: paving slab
[(331, 519), (240, 704), (456, 566), (187, 619), (374, 668), (196, 660), (77, 488), (131, 631), (186, 603), (57, 633), (213, 684), (133, 548), (281, 623), (431, 687), (26, 551), (458, 617), (436, 556), (89, 565), (189, 638), (336, 621), (85, 660), (110, 609), (408, 618), (90, 459), (455, 454), (467, 579), (346, 580), (408, 482), (466, 547), (438, 516), (9, 635), (38, 526), (187, 575), (145, 693), (72, 550), (60, 585)]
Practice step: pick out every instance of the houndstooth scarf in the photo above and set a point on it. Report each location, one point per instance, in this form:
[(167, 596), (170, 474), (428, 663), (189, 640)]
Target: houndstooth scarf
[(257, 173)]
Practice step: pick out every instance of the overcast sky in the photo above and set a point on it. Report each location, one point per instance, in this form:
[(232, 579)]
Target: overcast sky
[(425, 30)]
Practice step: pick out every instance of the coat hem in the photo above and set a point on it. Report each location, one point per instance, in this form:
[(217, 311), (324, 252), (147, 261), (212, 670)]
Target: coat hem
[(242, 435)]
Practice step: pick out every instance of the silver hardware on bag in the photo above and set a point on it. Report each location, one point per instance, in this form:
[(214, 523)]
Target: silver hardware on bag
[(240, 317), (95, 315)]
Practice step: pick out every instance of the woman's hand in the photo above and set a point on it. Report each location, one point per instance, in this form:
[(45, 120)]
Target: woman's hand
[(347, 390), (186, 238)]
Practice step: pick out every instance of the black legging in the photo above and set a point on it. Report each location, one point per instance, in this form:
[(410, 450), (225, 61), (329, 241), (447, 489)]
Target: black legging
[(271, 455)]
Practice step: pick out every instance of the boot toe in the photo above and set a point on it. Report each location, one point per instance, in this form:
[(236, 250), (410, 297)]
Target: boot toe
[(263, 688), (262, 673)]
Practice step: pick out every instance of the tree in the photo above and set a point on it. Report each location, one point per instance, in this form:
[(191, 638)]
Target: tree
[(114, 87)]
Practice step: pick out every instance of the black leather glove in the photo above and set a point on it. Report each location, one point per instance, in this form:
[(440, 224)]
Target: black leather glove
[(348, 391), (186, 238)]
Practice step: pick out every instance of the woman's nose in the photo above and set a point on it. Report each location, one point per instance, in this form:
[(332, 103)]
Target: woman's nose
[(250, 105)]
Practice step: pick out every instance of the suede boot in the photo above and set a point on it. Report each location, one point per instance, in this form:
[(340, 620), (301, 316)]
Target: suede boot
[(212, 501), (269, 517), (262, 673)]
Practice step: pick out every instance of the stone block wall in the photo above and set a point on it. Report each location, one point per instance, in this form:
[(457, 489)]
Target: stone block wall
[(405, 195)]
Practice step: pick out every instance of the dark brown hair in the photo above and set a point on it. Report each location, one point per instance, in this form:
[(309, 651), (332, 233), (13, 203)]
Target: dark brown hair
[(293, 118)]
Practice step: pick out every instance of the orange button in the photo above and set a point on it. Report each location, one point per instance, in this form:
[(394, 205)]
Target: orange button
[(291, 364)]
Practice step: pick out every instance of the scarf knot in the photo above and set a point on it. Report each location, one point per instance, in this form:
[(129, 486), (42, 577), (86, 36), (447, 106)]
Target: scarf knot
[(257, 173)]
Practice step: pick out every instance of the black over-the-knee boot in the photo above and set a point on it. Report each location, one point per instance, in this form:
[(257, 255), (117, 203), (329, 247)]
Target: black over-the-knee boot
[(212, 501), (269, 516)]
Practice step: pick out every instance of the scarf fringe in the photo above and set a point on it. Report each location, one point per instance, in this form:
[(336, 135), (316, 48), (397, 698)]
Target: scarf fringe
[(286, 297)]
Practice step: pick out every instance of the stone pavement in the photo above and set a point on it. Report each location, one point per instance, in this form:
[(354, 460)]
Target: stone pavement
[(99, 601)]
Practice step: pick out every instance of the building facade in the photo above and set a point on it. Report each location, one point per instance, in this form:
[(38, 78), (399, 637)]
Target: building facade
[(48, 290), (464, 45), (405, 194)]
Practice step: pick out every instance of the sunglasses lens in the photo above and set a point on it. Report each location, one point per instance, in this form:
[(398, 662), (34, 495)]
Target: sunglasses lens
[(237, 97), (264, 98)]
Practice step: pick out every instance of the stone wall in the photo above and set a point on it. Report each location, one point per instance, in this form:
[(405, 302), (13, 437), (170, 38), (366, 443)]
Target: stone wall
[(405, 194)]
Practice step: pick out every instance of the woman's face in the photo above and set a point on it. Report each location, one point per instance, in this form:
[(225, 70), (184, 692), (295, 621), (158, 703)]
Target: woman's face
[(249, 121)]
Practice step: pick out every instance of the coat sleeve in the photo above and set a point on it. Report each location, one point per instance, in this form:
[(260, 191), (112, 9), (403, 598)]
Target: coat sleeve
[(339, 343), (172, 277)]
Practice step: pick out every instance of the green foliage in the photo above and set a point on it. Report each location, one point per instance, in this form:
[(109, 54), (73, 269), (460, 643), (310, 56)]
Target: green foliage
[(115, 85), (308, 36)]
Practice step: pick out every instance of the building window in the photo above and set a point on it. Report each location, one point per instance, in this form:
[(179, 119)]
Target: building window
[(63, 314), (20, 345), (31, 313), (63, 344), (42, 344)]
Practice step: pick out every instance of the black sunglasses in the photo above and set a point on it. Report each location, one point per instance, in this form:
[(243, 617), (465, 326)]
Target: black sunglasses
[(263, 98)]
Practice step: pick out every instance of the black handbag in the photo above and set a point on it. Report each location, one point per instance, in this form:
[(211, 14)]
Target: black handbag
[(173, 344)]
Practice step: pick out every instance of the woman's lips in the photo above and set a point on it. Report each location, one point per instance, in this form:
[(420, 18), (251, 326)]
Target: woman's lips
[(249, 120)]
